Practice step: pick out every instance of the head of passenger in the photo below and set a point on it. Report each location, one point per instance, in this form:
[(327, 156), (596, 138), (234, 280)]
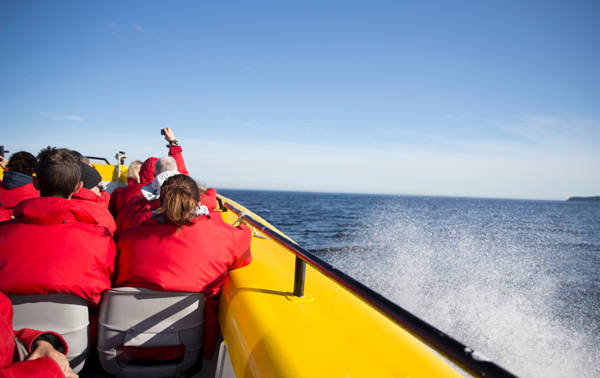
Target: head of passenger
[(164, 168), (164, 164), (22, 162), (179, 200), (58, 173), (90, 178), (133, 171), (81, 158)]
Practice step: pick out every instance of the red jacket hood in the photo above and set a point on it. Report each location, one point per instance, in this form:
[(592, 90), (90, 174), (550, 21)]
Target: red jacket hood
[(147, 171), (51, 210), (87, 195)]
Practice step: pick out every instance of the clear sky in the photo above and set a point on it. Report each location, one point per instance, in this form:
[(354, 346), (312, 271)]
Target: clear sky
[(458, 98)]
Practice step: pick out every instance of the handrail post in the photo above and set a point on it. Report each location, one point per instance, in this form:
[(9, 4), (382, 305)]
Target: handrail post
[(299, 275)]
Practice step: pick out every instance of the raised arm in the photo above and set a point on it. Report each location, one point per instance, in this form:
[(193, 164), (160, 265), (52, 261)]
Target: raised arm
[(175, 150)]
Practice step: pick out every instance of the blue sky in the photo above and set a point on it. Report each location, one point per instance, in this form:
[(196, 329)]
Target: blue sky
[(458, 98)]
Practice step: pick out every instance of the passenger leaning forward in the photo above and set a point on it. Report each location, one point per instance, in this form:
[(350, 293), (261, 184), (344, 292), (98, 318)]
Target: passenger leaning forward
[(183, 247), (55, 245)]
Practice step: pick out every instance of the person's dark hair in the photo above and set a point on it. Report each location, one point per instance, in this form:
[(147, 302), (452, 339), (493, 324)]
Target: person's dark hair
[(22, 162), (58, 172), (179, 197), (81, 158)]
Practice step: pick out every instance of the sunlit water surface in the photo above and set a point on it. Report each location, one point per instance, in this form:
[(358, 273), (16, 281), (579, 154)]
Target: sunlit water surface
[(516, 280)]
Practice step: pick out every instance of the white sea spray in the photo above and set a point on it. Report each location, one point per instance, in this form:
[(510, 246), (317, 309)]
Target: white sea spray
[(482, 280)]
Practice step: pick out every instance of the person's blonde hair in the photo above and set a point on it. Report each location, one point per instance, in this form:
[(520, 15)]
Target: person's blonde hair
[(133, 171), (179, 197)]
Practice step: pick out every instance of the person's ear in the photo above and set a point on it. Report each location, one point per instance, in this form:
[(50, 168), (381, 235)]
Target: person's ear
[(78, 187), (36, 183)]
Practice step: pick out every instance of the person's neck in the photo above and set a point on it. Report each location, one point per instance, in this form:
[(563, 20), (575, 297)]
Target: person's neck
[(56, 195)]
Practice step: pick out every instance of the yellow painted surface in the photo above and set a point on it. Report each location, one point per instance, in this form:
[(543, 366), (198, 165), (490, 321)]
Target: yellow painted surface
[(109, 172), (330, 333)]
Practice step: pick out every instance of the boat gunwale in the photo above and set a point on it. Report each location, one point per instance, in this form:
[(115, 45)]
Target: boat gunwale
[(444, 344)]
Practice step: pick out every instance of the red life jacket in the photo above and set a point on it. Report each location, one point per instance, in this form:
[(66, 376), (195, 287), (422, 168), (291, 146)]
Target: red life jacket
[(97, 206), (55, 246), (195, 258), (5, 214), (120, 196), (105, 196), (9, 198), (136, 211)]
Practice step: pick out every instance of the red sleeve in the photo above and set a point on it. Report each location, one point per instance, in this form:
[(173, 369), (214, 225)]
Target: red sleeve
[(44, 367), (28, 337), (175, 152), (242, 236), (209, 199)]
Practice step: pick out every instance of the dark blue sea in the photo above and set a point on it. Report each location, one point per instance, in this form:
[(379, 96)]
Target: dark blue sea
[(517, 280)]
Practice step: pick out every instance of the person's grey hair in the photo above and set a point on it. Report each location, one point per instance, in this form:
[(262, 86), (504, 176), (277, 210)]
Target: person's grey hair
[(163, 164), (133, 172)]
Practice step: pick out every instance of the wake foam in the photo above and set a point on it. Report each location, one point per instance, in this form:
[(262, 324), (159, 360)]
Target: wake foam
[(480, 282)]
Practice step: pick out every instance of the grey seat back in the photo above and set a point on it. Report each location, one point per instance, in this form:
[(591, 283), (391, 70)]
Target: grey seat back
[(143, 318), (65, 314)]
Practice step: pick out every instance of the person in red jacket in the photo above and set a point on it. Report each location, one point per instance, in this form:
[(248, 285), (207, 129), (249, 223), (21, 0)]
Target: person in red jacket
[(120, 196), (54, 244), (183, 247), (46, 350), (89, 197), (153, 173), (91, 179), (17, 183)]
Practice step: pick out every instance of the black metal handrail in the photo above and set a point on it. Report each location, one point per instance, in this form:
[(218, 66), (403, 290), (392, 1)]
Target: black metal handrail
[(98, 158), (444, 344)]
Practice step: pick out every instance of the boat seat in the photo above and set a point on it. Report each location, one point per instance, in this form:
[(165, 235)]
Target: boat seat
[(148, 333), (65, 314)]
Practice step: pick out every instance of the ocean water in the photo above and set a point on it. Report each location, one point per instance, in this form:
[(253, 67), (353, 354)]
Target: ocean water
[(516, 280)]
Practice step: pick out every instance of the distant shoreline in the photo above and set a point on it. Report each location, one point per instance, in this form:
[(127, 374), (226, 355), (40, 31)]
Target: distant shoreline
[(589, 199)]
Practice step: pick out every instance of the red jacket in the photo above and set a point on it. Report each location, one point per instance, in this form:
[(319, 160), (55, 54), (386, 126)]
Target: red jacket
[(97, 206), (5, 214), (139, 209), (120, 196), (105, 197), (55, 246), (9, 198), (195, 258), (41, 367)]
